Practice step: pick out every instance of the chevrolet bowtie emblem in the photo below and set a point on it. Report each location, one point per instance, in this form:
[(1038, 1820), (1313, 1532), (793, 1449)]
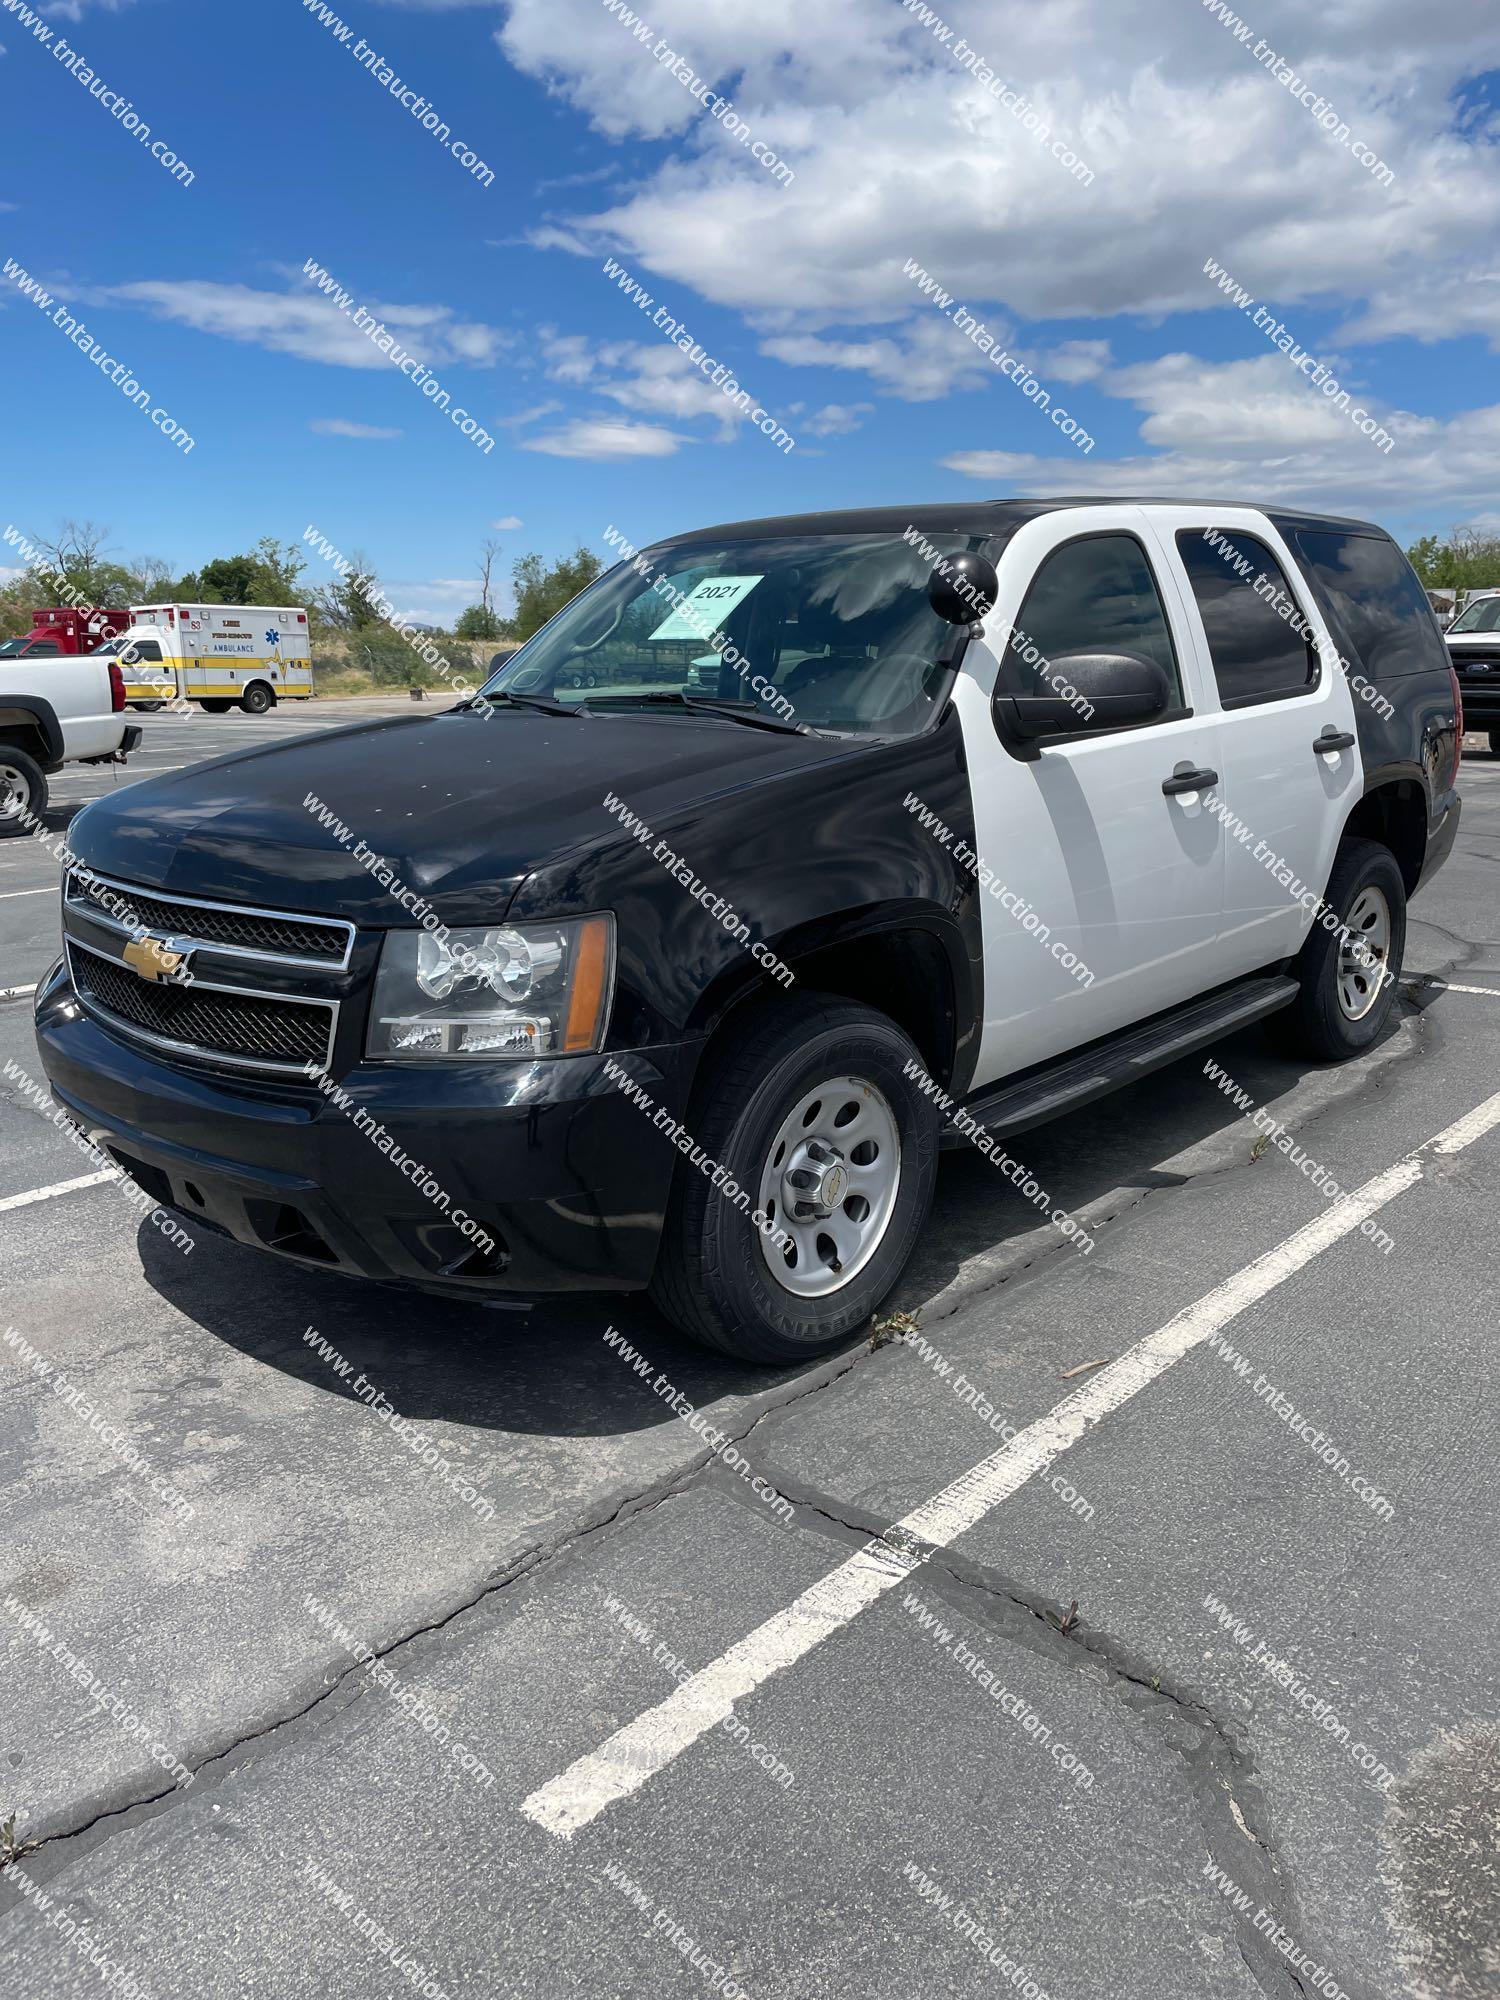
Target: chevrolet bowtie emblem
[(152, 959)]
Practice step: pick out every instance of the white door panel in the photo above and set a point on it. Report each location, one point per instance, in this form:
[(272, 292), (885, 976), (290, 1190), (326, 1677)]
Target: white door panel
[(1093, 859), (1286, 804)]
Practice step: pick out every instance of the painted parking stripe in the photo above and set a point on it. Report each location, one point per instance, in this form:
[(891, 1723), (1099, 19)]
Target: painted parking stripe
[(639, 1749), (58, 1187), (15, 992), (8, 894)]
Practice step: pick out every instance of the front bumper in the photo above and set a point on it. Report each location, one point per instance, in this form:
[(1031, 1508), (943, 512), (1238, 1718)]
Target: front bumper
[(550, 1160)]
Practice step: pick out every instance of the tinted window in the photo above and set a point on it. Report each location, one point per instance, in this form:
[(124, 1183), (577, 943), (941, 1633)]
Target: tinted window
[(1093, 596), (1379, 609), (1257, 636), (141, 649), (47, 647)]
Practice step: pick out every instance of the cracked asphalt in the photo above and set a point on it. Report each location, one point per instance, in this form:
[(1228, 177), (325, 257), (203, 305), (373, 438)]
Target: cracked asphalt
[(1044, 1724)]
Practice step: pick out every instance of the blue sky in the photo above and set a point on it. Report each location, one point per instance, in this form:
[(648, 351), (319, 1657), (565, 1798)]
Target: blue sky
[(899, 152)]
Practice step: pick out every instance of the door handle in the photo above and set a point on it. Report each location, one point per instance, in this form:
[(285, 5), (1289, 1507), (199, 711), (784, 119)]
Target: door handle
[(1189, 781), (1333, 740)]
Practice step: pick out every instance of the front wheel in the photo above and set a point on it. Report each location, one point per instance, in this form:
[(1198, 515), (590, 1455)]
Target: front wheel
[(23, 791), (1352, 959), (256, 699), (825, 1151)]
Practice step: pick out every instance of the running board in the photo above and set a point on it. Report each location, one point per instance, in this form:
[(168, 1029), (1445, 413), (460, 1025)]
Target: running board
[(1077, 1080)]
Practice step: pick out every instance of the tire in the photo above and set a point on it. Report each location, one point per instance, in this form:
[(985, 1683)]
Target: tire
[(148, 707), (214, 704), (23, 792), (716, 1275), (1324, 1022), (1492, 748), (257, 698)]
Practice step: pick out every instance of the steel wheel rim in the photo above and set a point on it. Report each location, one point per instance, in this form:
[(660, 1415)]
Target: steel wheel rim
[(15, 793), (842, 1141), (1364, 953)]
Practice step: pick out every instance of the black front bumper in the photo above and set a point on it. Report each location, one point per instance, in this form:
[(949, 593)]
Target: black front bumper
[(550, 1159)]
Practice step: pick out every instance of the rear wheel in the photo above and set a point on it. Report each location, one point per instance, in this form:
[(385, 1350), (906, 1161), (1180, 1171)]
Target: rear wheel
[(1492, 743), (1351, 962), (813, 1118), (256, 699), (23, 791), (148, 707), (214, 704)]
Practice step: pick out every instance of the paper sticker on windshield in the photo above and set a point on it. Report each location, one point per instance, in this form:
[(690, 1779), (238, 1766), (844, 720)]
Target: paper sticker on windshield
[(703, 611)]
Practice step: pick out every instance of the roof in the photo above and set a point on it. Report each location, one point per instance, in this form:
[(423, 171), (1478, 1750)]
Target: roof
[(989, 517)]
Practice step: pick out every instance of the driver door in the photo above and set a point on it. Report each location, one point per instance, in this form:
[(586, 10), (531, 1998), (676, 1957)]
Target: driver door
[(1105, 892)]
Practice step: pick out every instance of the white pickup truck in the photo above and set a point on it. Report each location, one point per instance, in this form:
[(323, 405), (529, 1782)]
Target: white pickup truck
[(68, 710)]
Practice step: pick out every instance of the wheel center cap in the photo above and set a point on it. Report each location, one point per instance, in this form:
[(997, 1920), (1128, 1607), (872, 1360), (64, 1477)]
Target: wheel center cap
[(831, 1193)]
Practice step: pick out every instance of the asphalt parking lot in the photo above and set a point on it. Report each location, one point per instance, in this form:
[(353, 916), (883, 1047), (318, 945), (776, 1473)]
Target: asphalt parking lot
[(958, 1672)]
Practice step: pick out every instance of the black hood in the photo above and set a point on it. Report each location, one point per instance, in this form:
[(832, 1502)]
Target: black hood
[(461, 806)]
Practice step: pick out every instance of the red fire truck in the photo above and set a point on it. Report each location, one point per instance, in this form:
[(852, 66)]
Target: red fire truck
[(65, 630)]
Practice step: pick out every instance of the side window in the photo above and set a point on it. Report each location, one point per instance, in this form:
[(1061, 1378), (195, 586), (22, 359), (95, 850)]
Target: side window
[(1376, 600), (1258, 638), (143, 649), (45, 650), (1096, 595)]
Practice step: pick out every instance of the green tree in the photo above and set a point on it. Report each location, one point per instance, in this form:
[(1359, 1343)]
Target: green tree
[(350, 602), (1467, 560), (477, 623), (542, 592)]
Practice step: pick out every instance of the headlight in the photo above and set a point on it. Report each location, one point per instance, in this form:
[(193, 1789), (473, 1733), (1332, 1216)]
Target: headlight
[(513, 990)]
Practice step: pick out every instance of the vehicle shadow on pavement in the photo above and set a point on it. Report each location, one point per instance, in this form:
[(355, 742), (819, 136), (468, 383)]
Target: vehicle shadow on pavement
[(548, 1371)]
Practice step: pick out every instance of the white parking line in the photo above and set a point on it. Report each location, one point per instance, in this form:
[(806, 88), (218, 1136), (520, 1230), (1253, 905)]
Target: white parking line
[(58, 1187), (16, 992), (623, 1763), (7, 895)]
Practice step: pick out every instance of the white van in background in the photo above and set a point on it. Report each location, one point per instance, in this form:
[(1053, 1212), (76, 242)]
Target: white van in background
[(216, 655)]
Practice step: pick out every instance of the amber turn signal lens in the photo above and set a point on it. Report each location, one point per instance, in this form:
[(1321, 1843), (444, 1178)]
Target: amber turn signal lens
[(588, 1002)]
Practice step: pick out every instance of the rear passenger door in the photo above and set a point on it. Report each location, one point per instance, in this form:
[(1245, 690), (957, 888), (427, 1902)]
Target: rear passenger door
[(1104, 892), (1271, 669)]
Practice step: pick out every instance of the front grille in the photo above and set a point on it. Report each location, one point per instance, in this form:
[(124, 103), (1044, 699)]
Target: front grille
[(1467, 663), (203, 1020), (263, 932)]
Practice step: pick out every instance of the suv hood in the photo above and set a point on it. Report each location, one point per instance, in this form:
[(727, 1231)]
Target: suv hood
[(461, 807)]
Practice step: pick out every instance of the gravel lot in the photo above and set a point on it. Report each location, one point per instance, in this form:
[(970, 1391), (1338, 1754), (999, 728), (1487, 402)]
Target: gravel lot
[(334, 1732)]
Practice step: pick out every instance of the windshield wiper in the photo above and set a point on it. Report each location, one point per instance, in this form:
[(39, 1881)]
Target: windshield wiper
[(732, 711), (543, 702)]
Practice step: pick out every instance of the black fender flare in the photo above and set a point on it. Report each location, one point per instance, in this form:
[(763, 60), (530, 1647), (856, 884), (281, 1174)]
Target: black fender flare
[(44, 715)]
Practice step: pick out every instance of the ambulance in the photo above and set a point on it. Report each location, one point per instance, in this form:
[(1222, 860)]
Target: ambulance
[(218, 655)]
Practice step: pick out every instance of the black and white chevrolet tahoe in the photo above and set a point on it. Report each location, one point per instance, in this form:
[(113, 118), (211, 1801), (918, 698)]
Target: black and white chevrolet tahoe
[(779, 845)]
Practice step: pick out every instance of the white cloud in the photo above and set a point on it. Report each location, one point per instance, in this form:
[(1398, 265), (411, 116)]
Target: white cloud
[(1196, 150), (1254, 429), (341, 427), (606, 438), (305, 324), (507, 524), (927, 359), (836, 419), (650, 380), (531, 416)]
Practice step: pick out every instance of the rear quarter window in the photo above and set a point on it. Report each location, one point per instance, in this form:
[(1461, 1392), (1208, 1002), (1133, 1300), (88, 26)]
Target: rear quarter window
[(1370, 594)]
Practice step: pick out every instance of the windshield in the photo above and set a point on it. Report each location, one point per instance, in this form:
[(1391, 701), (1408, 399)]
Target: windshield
[(1481, 617), (13, 647), (833, 631)]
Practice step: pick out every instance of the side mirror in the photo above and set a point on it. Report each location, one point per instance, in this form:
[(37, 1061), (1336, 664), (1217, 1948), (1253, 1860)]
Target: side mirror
[(1088, 691), (963, 588)]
